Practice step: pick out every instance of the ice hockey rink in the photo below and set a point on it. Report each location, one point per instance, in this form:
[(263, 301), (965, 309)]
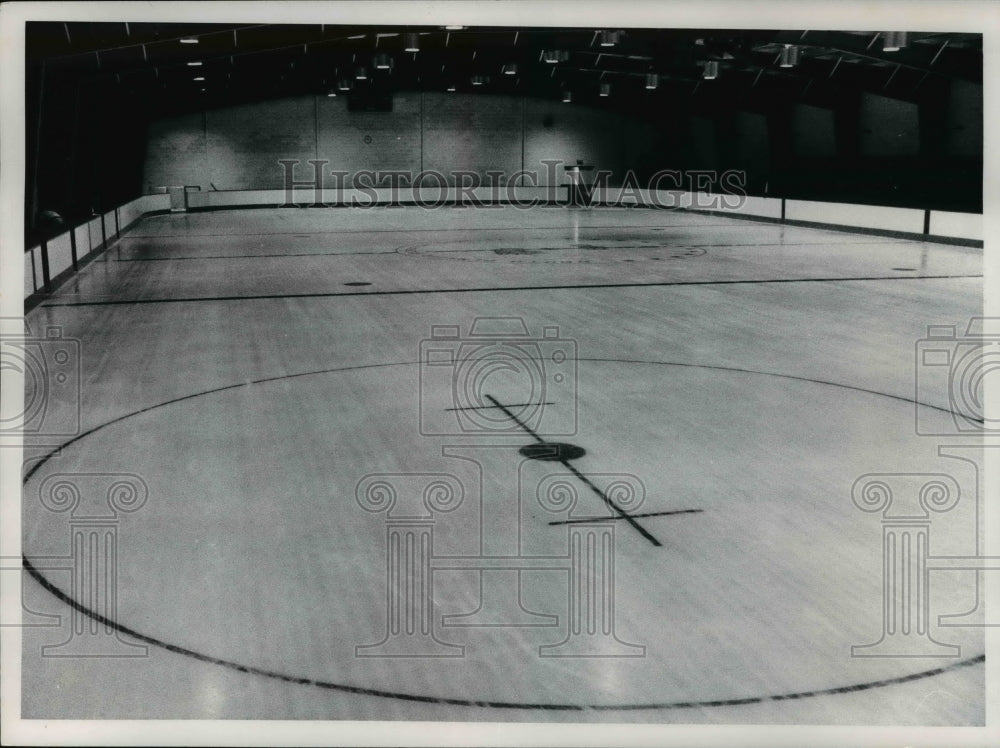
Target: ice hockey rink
[(267, 378)]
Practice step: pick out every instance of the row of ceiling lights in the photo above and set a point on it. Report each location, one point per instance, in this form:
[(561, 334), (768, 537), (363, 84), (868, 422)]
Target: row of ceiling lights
[(893, 41), (789, 58), (412, 40), (383, 61), (652, 82)]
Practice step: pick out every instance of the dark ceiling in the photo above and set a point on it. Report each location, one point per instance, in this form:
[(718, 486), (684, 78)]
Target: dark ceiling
[(149, 66)]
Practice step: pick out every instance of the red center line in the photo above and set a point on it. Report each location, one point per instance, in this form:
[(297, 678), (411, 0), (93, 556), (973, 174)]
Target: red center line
[(584, 520), (491, 407), (584, 479)]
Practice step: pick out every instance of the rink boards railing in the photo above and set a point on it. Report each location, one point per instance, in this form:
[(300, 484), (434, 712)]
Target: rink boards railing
[(50, 263)]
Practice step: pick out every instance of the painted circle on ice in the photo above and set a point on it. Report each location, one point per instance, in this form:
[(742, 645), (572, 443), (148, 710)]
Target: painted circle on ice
[(269, 493), (556, 250)]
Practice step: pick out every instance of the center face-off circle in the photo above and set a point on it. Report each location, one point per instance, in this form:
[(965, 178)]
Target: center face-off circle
[(249, 538), (556, 250)]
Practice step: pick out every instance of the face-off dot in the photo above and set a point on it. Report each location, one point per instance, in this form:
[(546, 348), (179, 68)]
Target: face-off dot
[(552, 451)]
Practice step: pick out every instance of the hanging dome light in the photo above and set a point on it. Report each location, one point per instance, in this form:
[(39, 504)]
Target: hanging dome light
[(344, 84), (567, 97), (510, 69), (412, 43), (789, 56), (711, 70), (383, 62), (361, 74), (895, 41), (605, 89), (609, 38), (652, 81)]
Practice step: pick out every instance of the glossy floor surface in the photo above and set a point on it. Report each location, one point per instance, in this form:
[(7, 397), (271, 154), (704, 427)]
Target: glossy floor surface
[(326, 412)]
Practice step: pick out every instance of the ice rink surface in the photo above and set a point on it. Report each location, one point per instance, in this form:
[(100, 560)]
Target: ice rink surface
[(325, 411)]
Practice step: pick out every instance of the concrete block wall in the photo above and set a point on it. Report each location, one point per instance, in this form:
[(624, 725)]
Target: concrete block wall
[(570, 133), (889, 127), (472, 133), (239, 148), (177, 152), (869, 156), (245, 144), (813, 132), (381, 141), (964, 120)]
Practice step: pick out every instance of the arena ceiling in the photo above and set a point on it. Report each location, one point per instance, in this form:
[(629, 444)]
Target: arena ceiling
[(182, 67)]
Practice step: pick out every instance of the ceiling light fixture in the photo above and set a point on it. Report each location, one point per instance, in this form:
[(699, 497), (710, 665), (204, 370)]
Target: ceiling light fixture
[(609, 38), (895, 41), (567, 97), (711, 70), (510, 69), (454, 27), (188, 40), (605, 89), (194, 64), (344, 84), (383, 61), (200, 78), (652, 81), (789, 56), (478, 80), (361, 74), (412, 43)]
